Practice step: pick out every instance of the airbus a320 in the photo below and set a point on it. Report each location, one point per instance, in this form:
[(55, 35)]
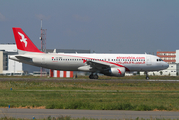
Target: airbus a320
[(107, 64)]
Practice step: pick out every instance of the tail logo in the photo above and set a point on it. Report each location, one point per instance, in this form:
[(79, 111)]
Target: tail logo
[(23, 39)]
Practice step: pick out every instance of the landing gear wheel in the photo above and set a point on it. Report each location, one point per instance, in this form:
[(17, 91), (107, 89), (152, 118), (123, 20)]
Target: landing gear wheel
[(93, 76), (147, 76)]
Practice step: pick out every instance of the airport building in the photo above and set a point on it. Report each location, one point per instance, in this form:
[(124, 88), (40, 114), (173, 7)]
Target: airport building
[(167, 56), (8, 66)]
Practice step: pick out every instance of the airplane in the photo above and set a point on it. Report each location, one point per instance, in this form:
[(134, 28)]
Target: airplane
[(107, 64)]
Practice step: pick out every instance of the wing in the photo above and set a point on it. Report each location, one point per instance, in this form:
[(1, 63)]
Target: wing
[(98, 65), (104, 67), (94, 66)]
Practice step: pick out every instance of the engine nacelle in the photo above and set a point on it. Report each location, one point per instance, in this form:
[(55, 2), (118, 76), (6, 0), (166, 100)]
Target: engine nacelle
[(117, 71)]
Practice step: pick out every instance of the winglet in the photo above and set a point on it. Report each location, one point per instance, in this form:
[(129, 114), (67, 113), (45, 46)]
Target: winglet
[(23, 42)]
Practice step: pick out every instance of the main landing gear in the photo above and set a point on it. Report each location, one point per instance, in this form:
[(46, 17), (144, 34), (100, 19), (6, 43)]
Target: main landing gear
[(147, 76), (93, 76)]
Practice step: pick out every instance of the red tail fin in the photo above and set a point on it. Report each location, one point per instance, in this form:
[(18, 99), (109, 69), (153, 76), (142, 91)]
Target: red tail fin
[(23, 42)]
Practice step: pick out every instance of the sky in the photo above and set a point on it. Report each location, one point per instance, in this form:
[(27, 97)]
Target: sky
[(102, 26)]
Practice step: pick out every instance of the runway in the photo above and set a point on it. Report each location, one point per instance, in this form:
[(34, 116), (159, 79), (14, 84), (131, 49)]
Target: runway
[(100, 114)]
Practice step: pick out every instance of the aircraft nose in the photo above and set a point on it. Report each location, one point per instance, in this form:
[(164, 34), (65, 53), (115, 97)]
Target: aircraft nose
[(165, 65)]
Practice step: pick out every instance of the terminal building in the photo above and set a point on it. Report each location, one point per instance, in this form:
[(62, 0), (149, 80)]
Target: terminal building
[(8, 66), (167, 56)]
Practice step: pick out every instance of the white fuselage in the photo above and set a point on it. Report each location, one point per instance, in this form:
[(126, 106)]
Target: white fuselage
[(74, 62)]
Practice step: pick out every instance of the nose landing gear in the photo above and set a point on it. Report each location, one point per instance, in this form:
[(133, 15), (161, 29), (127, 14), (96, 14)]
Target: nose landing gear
[(147, 76)]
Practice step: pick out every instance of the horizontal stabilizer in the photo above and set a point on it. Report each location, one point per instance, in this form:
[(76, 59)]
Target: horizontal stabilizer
[(20, 58), (24, 58)]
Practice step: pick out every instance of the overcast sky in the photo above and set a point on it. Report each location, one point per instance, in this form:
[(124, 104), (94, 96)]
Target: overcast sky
[(103, 26)]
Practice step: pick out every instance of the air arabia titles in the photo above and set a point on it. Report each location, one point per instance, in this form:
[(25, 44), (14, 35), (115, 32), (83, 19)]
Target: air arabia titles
[(130, 60)]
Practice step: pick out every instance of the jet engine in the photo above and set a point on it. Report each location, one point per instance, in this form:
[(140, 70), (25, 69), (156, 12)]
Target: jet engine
[(117, 71)]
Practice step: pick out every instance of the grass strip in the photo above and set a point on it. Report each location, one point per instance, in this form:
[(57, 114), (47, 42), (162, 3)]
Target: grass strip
[(92, 95), (91, 100)]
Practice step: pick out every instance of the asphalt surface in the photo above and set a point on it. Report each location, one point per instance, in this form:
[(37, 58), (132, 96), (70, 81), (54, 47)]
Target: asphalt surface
[(100, 114)]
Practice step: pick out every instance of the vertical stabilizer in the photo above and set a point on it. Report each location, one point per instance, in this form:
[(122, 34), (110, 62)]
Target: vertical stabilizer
[(24, 44)]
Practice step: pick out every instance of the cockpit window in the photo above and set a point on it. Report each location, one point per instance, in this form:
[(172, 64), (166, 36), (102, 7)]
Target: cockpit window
[(159, 60)]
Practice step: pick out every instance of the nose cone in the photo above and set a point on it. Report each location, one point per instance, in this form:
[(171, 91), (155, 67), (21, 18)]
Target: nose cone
[(165, 65)]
